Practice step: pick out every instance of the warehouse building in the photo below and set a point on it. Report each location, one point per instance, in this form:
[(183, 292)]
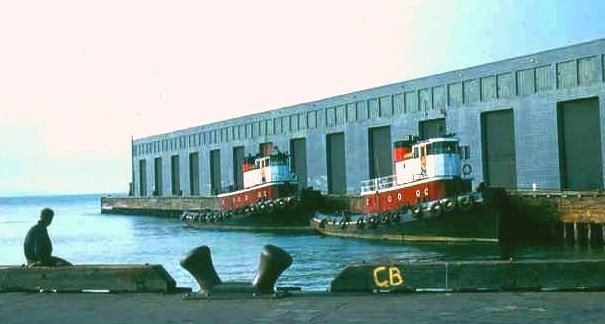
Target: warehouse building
[(529, 122)]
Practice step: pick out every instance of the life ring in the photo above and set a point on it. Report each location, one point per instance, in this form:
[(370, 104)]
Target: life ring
[(373, 222), (254, 210), (404, 209), (417, 210), (418, 193), (184, 216), (291, 201), (467, 169), (437, 209), (280, 203), (360, 223), (386, 219), (449, 205), (270, 206), (259, 207), (466, 202)]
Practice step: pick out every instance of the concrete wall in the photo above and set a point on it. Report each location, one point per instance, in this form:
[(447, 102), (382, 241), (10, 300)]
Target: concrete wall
[(530, 85)]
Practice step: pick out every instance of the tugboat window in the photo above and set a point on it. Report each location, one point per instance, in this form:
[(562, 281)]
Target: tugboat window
[(430, 148), (441, 148)]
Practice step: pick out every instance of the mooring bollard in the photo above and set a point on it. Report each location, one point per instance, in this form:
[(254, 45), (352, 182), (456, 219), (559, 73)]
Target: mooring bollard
[(273, 261), (199, 263)]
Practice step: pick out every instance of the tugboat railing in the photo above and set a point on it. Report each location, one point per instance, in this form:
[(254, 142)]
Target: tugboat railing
[(378, 183)]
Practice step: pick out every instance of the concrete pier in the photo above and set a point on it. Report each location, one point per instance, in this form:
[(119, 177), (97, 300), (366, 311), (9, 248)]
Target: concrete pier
[(523, 307), (168, 207), (386, 304)]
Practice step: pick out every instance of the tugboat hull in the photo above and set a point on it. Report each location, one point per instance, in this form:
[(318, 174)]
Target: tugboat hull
[(288, 213), (477, 223)]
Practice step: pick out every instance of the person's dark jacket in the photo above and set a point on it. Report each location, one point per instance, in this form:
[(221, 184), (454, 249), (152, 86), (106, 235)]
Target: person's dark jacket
[(37, 245)]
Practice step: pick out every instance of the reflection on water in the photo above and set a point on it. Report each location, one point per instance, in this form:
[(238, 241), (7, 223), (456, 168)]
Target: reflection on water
[(82, 235)]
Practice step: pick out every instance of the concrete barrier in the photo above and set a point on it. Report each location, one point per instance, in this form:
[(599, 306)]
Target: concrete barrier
[(110, 278), (460, 276), (169, 207)]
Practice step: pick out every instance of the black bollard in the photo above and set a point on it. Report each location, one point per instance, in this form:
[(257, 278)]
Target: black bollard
[(273, 261), (199, 263)]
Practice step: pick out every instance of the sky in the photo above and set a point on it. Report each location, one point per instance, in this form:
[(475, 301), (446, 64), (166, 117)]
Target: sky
[(79, 79)]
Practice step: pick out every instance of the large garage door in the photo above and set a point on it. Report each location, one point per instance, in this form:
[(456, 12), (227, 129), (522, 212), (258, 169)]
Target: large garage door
[(580, 144), (379, 142), (194, 174), (238, 161), (157, 174), (298, 149), (143, 178), (498, 142), (215, 171), (175, 174), (335, 152)]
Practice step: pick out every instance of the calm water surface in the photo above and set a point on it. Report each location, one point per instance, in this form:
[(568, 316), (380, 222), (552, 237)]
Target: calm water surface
[(81, 234)]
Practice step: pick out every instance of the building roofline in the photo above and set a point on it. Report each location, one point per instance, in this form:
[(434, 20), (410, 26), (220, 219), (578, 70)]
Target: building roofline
[(385, 86)]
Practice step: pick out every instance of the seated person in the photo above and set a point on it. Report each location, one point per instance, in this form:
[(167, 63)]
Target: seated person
[(37, 245)]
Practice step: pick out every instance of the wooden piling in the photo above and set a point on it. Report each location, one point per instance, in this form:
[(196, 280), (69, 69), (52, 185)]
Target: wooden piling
[(570, 233), (597, 233), (575, 233), (564, 232)]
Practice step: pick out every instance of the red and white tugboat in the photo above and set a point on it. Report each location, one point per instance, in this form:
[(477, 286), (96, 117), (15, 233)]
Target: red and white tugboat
[(270, 199), (427, 199)]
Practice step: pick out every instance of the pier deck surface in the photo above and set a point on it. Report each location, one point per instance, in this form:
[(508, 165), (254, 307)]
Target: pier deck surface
[(565, 307)]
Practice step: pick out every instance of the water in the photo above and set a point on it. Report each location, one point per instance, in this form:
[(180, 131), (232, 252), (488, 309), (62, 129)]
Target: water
[(81, 234)]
